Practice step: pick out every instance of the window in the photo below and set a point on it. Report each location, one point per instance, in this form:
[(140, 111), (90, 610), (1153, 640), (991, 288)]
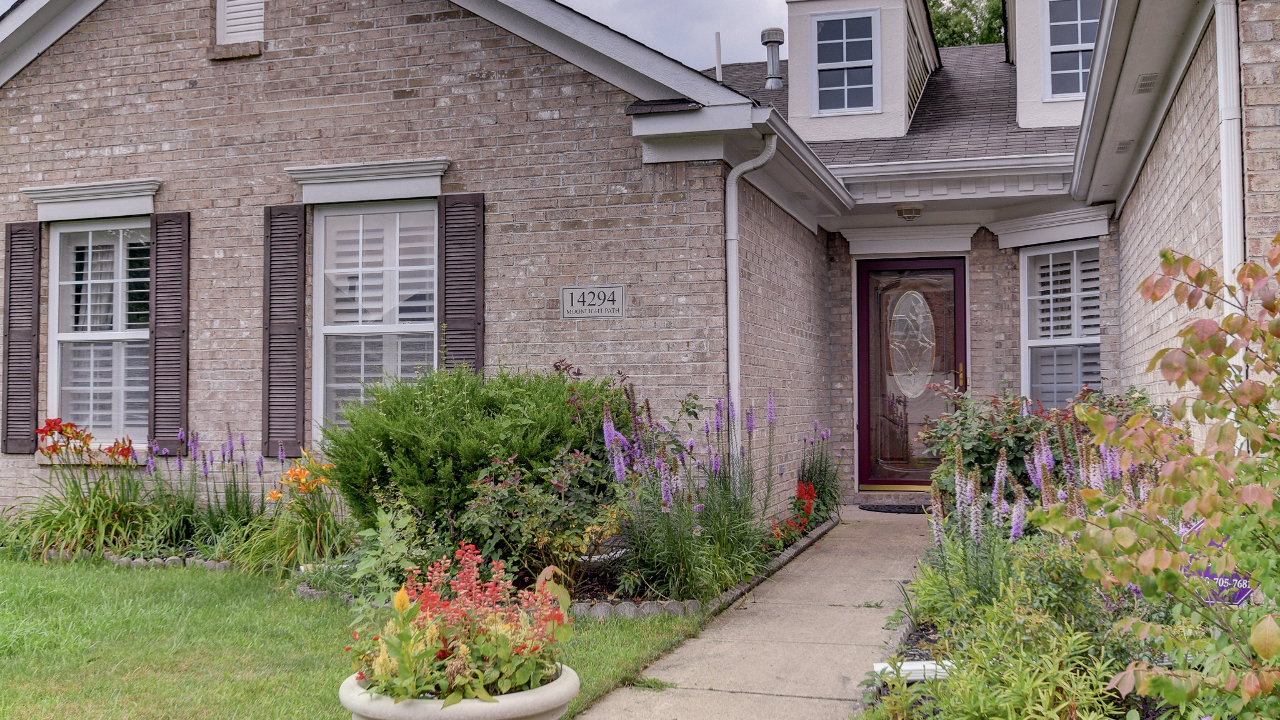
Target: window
[(1062, 321), (99, 313), (847, 67), (377, 298), (1073, 28), (239, 21)]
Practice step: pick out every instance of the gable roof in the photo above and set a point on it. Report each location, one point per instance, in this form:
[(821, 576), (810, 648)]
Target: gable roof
[(969, 109)]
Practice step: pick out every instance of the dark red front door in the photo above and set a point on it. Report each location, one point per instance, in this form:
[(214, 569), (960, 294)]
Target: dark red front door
[(911, 334)]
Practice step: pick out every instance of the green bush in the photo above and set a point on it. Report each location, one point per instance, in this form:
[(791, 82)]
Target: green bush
[(429, 438)]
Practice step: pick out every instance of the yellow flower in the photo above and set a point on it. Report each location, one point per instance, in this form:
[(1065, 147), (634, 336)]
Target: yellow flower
[(401, 601)]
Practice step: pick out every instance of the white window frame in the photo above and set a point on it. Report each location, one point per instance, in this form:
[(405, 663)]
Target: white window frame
[(53, 364), (876, 52), (1047, 57), (320, 331), (224, 37), (1024, 255)]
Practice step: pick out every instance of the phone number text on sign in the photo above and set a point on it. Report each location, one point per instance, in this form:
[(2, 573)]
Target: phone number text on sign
[(597, 301)]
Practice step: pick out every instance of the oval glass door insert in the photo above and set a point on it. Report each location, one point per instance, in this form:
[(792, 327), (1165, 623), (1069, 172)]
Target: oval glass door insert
[(911, 343)]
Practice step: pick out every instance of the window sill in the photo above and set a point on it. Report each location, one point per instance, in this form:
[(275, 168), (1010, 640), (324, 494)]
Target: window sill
[(1065, 98), (842, 113), (235, 51)]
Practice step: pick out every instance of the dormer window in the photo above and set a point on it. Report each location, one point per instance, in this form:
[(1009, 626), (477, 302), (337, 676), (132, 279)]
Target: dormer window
[(1073, 28), (848, 69)]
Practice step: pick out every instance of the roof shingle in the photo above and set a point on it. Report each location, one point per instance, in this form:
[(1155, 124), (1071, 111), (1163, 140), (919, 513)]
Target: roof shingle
[(969, 109)]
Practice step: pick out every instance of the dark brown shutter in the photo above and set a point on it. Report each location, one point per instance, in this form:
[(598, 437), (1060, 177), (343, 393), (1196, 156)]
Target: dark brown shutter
[(284, 334), (170, 241), (21, 336), (461, 308)]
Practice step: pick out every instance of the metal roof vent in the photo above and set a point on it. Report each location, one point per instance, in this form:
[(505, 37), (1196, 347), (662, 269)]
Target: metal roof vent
[(772, 39), (1146, 84)]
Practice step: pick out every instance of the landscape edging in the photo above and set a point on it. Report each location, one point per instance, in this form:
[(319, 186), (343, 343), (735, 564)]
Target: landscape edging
[(732, 595)]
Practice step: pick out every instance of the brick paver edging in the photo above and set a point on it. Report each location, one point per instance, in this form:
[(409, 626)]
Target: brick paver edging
[(732, 595)]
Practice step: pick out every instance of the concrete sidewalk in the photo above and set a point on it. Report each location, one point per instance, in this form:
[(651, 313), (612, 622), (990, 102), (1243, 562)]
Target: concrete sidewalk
[(798, 645)]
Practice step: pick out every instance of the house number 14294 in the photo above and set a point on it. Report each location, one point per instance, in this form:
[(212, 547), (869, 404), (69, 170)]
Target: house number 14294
[(596, 301)]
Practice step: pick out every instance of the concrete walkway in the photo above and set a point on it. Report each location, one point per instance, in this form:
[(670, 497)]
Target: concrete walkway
[(798, 645)]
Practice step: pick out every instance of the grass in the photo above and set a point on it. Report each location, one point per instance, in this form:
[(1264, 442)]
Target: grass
[(91, 640)]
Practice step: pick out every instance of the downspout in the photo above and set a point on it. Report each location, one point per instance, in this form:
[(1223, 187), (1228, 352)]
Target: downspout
[(732, 280), (1230, 152)]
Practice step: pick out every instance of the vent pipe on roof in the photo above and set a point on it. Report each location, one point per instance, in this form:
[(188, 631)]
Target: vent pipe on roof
[(772, 38)]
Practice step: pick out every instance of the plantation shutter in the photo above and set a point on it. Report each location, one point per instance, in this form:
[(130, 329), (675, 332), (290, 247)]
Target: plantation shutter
[(284, 334), (240, 20), (21, 336), (461, 220), (170, 240)]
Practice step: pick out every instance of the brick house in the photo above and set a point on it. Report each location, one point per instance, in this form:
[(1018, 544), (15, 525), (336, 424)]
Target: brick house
[(232, 213)]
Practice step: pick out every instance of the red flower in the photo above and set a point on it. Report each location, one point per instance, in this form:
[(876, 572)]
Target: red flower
[(51, 425)]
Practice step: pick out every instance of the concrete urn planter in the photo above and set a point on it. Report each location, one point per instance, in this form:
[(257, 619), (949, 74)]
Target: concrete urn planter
[(548, 702)]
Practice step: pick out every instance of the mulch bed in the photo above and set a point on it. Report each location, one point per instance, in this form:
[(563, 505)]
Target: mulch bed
[(899, 509), (919, 644)]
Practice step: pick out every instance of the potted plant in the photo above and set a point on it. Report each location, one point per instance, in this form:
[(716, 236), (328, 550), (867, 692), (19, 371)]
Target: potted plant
[(459, 647)]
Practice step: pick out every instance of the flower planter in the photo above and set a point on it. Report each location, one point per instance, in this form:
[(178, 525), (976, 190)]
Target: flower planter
[(548, 702)]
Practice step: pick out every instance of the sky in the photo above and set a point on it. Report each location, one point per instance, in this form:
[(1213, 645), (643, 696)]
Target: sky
[(686, 29)]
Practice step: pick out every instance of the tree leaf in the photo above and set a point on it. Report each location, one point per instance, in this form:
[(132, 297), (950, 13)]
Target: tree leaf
[(1265, 638)]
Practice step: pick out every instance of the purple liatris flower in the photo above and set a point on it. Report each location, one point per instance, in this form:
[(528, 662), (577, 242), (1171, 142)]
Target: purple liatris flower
[(751, 421), (692, 445), (608, 429), (667, 499), (182, 435), (732, 417), (699, 508), (935, 514), (281, 453), (706, 429), (1062, 496), (1019, 515), (826, 434), (151, 464), (768, 413), (133, 456), (204, 463), (619, 468), (179, 460), (1002, 470), (975, 521), (1033, 469), (719, 415), (242, 442), (715, 464), (816, 426), (260, 466)]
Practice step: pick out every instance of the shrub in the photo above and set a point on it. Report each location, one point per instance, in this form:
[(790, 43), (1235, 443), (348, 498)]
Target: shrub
[(820, 476), (456, 636), (388, 553), (429, 438), (552, 519), (1214, 508), (693, 527), (306, 527)]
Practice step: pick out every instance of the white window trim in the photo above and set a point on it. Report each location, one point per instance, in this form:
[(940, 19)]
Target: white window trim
[(319, 330), (1024, 302), (53, 369), (1047, 57), (876, 52)]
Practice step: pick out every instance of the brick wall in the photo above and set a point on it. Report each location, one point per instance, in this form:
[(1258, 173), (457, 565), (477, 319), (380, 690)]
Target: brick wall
[(129, 93), (840, 329), (1175, 203), (785, 310), (995, 341), (1260, 78)]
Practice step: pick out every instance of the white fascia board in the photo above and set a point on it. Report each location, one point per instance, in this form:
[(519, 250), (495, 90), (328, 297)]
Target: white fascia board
[(33, 27), (1053, 227), (602, 51), (948, 169), (1113, 33), (910, 239), (88, 201), (832, 191)]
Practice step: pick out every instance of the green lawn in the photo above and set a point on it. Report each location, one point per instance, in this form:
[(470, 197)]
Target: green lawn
[(90, 640)]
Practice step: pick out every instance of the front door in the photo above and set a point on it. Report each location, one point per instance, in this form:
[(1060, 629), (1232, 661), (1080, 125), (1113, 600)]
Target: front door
[(911, 335)]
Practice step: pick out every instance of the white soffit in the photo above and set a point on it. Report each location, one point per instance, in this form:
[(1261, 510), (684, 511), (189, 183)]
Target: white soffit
[(602, 51), (34, 25), (910, 239), (87, 201), (1053, 227), (360, 182)]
